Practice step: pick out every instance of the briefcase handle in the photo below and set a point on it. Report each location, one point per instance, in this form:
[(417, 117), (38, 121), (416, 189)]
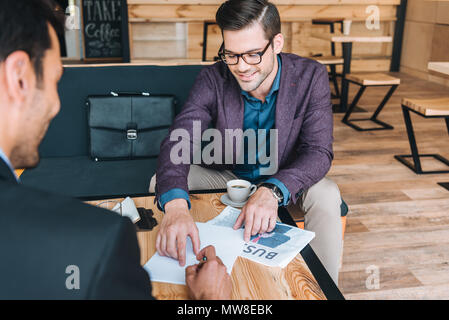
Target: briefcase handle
[(128, 94)]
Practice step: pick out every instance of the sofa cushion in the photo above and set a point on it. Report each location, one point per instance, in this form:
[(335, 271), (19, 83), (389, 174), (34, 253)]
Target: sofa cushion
[(80, 177)]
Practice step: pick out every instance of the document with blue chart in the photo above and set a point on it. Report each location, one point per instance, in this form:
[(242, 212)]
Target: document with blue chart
[(274, 249)]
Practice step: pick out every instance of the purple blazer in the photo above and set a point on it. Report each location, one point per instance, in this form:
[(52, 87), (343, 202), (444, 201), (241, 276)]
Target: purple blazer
[(303, 119)]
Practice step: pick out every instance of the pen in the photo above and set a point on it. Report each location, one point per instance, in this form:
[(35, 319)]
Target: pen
[(203, 261)]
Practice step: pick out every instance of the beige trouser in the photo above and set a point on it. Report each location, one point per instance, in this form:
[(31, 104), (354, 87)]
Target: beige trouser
[(320, 205)]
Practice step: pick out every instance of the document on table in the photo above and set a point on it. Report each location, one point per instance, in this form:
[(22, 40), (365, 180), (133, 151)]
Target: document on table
[(274, 249), (228, 245)]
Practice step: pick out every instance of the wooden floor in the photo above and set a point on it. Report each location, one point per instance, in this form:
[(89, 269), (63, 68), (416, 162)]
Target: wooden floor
[(398, 221)]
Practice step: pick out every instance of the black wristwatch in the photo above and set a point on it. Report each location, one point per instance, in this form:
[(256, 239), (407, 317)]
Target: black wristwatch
[(277, 193)]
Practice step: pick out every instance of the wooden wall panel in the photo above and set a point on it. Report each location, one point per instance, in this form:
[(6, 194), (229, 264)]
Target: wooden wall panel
[(296, 27), (277, 2), (159, 31), (158, 40), (304, 44), (298, 39), (158, 49), (288, 13), (416, 46), (421, 11), (286, 29), (443, 13), (440, 43), (426, 37)]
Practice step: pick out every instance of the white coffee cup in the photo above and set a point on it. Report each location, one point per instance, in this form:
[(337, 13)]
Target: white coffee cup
[(240, 190), (347, 27)]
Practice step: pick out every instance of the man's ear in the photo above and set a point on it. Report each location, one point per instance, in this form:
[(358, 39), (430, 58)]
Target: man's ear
[(19, 75), (278, 43)]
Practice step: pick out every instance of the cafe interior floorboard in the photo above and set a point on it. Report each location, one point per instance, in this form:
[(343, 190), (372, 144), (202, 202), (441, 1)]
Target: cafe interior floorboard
[(398, 221)]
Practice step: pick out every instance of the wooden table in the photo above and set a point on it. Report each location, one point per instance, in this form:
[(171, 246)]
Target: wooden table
[(346, 42), (440, 68), (303, 278)]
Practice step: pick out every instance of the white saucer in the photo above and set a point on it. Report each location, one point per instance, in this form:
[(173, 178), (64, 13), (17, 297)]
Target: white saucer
[(225, 199)]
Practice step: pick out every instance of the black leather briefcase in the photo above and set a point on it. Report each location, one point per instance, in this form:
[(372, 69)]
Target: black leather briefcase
[(128, 126)]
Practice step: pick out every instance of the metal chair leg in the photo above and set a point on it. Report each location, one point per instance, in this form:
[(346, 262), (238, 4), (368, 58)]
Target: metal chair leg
[(353, 104), (205, 31), (373, 118), (384, 102), (447, 124), (416, 166), (334, 80), (411, 139)]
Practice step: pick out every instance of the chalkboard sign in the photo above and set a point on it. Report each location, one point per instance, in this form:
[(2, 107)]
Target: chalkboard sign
[(104, 29)]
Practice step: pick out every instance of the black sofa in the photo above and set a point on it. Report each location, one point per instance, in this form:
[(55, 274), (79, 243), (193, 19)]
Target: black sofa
[(66, 166)]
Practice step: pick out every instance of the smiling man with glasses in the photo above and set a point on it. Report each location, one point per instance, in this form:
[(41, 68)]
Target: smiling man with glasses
[(256, 87)]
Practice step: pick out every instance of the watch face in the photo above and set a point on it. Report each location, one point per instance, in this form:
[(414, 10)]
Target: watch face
[(279, 194), (277, 191)]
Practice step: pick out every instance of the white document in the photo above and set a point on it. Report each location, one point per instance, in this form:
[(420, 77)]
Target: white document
[(274, 249), (228, 245)]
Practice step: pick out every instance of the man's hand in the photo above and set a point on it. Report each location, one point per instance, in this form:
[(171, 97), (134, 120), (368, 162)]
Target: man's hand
[(259, 213), (176, 225), (208, 280)]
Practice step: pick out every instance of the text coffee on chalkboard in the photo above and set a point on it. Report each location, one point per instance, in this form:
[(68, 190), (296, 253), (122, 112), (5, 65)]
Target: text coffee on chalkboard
[(102, 23)]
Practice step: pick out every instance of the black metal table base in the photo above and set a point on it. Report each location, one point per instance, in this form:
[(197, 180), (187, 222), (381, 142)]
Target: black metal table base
[(445, 185), (382, 125), (336, 109), (373, 118), (417, 168)]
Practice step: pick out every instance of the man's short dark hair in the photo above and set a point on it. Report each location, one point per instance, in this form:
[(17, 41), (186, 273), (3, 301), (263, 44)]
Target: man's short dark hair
[(238, 14), (24, 26)]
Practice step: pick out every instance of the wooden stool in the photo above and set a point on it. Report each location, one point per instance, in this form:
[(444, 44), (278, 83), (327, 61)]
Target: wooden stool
[(370, 80), (332, 66), (329, 60), (426, 108)]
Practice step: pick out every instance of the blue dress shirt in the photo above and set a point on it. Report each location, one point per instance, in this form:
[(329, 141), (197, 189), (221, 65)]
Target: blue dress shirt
[(8, 163)]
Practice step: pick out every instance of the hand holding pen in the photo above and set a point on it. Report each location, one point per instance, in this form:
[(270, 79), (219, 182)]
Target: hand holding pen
[(209, 279)]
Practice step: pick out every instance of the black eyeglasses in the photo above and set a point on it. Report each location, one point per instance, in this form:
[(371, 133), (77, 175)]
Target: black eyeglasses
[(249, 58)]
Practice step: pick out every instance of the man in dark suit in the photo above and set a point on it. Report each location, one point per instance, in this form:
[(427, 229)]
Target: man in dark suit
[(54, 247)]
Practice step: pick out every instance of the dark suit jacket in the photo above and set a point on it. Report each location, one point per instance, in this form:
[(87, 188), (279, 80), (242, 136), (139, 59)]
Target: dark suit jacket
[(42, 235), (303, 119)]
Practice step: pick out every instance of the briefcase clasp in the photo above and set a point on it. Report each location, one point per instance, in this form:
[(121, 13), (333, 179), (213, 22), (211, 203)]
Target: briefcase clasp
[(131, 134)]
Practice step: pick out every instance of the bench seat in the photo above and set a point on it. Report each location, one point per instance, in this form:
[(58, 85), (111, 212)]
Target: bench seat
[(328, 60), (428, 107), (373, 79)]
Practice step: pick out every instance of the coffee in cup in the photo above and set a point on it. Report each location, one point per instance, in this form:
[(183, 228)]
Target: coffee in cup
[(240, 190)]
